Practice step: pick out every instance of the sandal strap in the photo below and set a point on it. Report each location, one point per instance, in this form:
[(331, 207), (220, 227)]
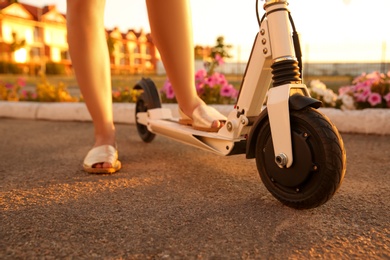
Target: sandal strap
[(202, 119), (101, 154), (203, 116)]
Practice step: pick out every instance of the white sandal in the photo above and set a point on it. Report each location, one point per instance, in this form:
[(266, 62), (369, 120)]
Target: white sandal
[(102, 154), (202, 119)]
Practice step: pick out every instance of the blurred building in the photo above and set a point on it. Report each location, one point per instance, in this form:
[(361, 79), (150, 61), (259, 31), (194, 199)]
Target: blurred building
[(132, 52), (34, 39)]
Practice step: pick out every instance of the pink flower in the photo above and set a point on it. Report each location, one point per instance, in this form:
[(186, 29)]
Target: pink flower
[(168, 90), (220, 78), (199, 87), (228, 91), (216, 79), (374, 99), (345, 90), (21, 82), (24, 93), (373, 75), (387, 98), (364, 85), (211, 81), (219, 59), (9, 86), (366, 81), (360, 78), (116, 93), (363, 95), (200, 75)]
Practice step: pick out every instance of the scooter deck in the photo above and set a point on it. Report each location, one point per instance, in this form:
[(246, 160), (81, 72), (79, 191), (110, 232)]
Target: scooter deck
[(160, 121)]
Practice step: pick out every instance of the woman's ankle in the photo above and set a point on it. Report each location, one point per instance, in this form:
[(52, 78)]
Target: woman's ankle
[(189, 107), (105, 139)]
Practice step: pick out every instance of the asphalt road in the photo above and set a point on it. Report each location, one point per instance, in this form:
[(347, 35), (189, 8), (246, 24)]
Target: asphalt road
[(172, 201)]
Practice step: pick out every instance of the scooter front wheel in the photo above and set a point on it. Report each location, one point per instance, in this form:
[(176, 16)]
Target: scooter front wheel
[(319, 161)]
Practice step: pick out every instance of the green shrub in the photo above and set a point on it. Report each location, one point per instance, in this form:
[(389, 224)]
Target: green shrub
[(55, 68), (9, 68)]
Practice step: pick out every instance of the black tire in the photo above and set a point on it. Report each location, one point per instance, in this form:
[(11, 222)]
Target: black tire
[(149, 98), (319, 162), (143, 131)]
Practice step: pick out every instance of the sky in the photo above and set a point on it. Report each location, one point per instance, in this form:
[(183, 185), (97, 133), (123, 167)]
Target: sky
[(330, 30)]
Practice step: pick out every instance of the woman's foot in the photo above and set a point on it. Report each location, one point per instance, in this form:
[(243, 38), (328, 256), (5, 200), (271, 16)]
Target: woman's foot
[(102, 159), (203, 118), (110, 140)]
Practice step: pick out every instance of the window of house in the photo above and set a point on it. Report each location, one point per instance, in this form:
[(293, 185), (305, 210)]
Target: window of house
[(37, 36), (7, 33), (20, 55), (65, 55), (48, 39), (34, 52), (55, 55), (29, 37)]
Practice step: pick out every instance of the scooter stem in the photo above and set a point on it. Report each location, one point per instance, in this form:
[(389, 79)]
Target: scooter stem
[(285, 75), (279, 29)]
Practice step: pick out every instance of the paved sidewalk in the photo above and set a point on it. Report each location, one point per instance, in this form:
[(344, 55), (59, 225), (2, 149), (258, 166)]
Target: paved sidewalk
[(172, 201)]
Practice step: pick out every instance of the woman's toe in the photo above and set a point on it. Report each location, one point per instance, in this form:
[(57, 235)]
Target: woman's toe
[(102, 165)]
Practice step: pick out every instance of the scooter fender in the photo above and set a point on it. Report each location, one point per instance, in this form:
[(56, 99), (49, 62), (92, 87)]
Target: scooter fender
[(296, 102)]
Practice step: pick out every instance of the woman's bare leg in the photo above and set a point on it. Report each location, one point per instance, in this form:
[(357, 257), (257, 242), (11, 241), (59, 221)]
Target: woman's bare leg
[(90, 59), (171, 26)]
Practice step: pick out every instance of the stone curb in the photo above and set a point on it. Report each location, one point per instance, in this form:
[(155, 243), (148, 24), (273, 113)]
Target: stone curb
[(367, 121)]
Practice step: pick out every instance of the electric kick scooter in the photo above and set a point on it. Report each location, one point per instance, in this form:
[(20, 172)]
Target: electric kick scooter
[(299, 153)]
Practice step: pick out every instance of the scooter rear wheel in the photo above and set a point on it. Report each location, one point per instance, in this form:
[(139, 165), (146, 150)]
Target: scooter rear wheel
[(319, 161), (143, 131), (147, 99)]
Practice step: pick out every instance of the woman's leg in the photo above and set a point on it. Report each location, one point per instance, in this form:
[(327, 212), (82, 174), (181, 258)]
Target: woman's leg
[(171, 26), (90, 60)]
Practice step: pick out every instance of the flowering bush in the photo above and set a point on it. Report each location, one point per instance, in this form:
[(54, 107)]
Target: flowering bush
[(47, 92), (125, 95), (44, 92), (212, 89), (167, 93), (11, 91), (319, 91), (367, 91)]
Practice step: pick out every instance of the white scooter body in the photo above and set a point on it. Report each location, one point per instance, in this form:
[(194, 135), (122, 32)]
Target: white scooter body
[(272, 43), (306, 179)]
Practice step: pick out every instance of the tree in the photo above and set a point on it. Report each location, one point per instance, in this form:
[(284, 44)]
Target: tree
[(218, 53), (221, 48), (111, 42), (16, 44)]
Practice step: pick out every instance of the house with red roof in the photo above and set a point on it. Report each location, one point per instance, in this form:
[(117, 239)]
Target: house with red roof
[(34, 39)]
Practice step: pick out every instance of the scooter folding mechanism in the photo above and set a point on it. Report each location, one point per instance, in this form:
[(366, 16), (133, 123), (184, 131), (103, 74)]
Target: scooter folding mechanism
[(299, 153)]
